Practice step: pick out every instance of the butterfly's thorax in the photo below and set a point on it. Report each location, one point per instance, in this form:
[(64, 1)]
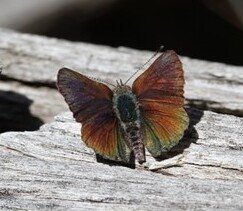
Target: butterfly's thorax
[(126, 108)]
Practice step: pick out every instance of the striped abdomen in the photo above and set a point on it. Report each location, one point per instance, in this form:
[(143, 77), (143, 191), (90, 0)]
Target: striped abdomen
[(133, 136)]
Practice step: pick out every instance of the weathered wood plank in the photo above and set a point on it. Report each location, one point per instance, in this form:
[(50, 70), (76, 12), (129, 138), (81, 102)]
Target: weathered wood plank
[(52, 169), (36, 59)]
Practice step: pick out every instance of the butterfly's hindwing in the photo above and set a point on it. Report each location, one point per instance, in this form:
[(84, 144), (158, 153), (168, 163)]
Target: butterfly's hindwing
[(152, 142)]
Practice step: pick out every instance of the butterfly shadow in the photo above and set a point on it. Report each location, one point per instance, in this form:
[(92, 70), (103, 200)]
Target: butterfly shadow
[(190, 136), (130, 164)]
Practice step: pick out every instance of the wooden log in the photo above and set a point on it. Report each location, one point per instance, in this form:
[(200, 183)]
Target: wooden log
[(52, 169)]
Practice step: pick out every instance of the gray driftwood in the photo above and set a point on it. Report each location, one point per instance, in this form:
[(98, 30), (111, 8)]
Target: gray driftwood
[(52, 168)]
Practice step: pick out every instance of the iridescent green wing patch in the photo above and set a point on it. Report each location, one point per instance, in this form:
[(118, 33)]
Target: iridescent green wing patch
[(151, 141)]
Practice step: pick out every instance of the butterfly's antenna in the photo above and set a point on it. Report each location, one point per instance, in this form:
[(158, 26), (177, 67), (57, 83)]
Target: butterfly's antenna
[(121, 82), (141, 67), (99, 80)]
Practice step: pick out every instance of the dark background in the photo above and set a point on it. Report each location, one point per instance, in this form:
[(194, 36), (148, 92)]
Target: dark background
[(187, 26)]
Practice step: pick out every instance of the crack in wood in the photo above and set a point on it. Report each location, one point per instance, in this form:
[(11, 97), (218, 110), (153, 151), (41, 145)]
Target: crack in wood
[(211, 165)]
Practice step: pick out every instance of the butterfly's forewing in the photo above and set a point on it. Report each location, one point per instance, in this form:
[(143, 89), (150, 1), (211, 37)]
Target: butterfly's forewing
[(160, 94), (91, 104), (86, 98)]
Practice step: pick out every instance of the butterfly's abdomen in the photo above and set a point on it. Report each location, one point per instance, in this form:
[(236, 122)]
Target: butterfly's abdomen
[(133, 136), (127, 111)]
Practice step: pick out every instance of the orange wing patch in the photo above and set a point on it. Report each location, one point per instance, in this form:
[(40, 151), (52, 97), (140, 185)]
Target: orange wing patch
[(101, 135)]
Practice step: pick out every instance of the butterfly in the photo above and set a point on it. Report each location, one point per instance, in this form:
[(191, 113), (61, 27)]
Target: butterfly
[(124, 121)]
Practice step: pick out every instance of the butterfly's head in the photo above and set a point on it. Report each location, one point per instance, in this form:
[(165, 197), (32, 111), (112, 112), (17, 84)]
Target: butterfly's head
[(121, 88)]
